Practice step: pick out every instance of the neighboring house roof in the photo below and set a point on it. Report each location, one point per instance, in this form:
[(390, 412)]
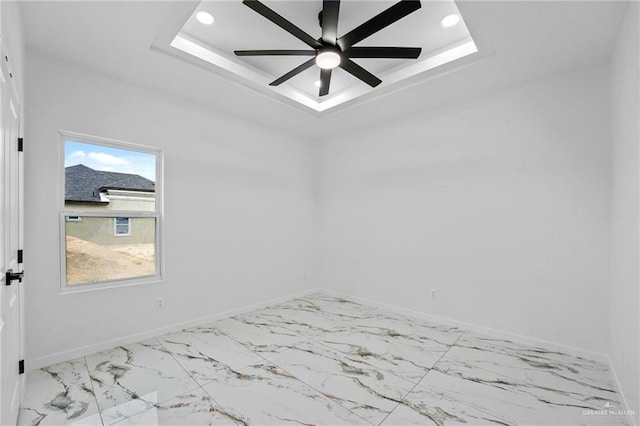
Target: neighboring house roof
[(85, 184)]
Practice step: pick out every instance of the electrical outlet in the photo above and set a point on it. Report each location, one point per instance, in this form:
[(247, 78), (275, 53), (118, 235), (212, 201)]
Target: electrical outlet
[(160, 303), (433, 293)]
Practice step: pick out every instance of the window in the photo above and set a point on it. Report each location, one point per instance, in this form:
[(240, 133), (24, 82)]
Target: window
[(111, 213), (121, 225)]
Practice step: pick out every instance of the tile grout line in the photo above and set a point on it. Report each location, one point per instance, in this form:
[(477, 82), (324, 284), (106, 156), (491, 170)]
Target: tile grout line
[(451, 347), (320, 392), (198, 385), (93, 389), (422, 378), (304, 338), (312, 339), (157, 404), (292, 375), (309, 386), (447, 351), (467, 332), (201, 386), (439, 359)]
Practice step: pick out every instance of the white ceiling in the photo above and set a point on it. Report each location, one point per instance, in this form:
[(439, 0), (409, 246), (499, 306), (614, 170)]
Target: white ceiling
[(237, 27), (517, 42)]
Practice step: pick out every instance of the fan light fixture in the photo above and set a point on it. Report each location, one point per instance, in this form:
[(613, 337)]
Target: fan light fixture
[(328, 59), (450, 20), (331, 51), (204, 17)]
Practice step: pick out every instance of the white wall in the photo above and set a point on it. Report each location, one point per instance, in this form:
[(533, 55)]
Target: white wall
[(501, 204), (625, 253), (239, 203)]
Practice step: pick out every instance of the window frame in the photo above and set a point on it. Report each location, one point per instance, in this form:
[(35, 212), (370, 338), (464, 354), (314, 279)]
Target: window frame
[(115, 226), (158, 214)]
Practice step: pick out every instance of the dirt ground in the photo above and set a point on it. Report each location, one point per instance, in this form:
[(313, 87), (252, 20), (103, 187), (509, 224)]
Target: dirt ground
[(88, 262)]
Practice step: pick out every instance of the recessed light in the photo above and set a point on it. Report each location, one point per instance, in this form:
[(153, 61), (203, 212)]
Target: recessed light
[(204, 17), (318, 83), (450, 20), (328, 59)]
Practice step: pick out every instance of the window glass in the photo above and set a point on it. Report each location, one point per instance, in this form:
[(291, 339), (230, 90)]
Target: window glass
[(93, 255), (99, 177), (121, 225), (111, 212)]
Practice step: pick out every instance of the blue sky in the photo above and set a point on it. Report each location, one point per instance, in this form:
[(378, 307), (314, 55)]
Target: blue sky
[(108, 159)]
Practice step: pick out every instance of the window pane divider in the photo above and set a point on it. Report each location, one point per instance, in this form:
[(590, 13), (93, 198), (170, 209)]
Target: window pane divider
[(109, 213)]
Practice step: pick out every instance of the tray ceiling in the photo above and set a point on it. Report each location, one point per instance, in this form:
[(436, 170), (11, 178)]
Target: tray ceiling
[(237, 27)]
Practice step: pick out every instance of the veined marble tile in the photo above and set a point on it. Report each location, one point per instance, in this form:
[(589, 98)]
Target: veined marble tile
[(363, 359), (401, 358), (550, 375), (403, 346), (355, 384), (448, 399), (258, 336), (264, 394), (60, 394), (398, 325), (193, 409), (336, 308), (534, 365), (430, 404), (289, 316), (206, 353), (129, 379)]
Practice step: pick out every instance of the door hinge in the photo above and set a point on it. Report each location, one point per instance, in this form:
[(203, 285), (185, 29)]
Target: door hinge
[(20, 144), (20, 256), (21, 366)]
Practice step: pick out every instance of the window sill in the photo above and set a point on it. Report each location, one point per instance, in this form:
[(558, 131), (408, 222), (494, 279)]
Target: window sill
[(84, 288)]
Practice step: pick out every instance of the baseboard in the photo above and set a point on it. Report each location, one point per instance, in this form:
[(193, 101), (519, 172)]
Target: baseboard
[(571, 350), (596, 356), (44, 361), (78, 352), (625, 403)]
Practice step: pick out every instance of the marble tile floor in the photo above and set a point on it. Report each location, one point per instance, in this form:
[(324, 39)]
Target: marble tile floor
[(321, 360)]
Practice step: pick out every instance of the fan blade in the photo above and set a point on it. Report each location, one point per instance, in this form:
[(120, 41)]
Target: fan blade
[(293, 72), (384, 52), (275, 52), (271, 15), (378, 22), (330, 11), (359, 72), (325, 81)]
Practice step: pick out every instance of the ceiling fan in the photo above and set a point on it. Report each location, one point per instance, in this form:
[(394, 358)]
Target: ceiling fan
[(331, 51)]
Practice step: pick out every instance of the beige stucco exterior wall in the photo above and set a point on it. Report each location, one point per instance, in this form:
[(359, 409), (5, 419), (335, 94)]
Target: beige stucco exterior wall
[(101, 230)]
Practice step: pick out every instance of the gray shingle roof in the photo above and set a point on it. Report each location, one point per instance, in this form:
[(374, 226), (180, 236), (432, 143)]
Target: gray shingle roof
[(85, 184)]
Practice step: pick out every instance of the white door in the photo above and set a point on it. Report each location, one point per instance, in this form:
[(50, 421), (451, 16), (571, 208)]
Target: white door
[(11, 344)]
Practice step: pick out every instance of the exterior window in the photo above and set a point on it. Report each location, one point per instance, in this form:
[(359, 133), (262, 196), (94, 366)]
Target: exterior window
[(121, 225), (111, 213)]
